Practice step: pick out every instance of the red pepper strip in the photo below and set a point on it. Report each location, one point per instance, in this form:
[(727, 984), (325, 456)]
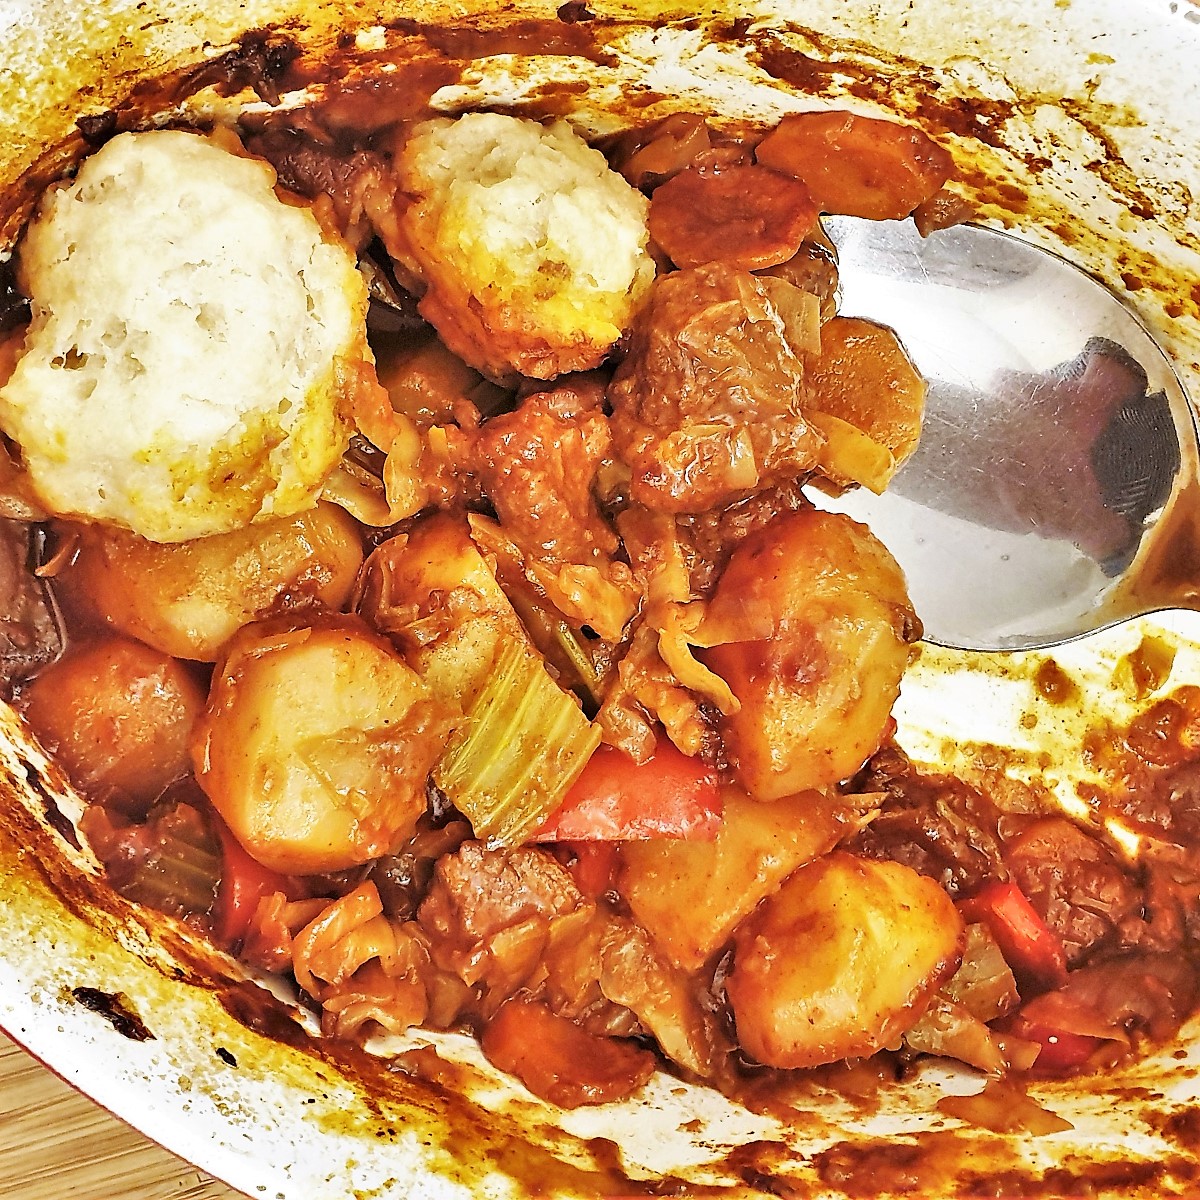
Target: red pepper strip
[(1030, 947), (617, 799), (244, 882), (1061, 1051), (594, 866)]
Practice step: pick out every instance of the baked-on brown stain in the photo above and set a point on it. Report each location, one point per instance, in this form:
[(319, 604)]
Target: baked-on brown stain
[(116, 1010), (1055, 685), (569, 38)]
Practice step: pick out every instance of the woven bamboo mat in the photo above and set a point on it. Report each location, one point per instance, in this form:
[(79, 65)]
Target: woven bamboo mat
[(57, 1145)]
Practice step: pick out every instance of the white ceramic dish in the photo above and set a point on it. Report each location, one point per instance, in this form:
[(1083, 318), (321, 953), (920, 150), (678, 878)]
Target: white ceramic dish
[(1078, 122)]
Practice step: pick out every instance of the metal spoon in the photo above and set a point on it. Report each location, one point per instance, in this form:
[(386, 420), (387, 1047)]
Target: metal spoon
[(1054, 491)]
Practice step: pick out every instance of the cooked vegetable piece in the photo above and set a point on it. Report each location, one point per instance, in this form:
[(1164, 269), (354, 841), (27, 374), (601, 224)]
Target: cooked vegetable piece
[(981, 990), (593, 866), (170, 861), (425, 382), (189, 598), (520, 746), (560, 1062), (849, 456), (316, 745), (364, 970), (1030, 947), (840, 961), (940, 211), (1105, 1008), (581, 662), (857, 165), (983, 984), (690, 895), (947, 1029), (864, 377), (809, 626), (1003, 1108), (268, 942), (812, 269), (523, 739), (745, 216), (634, 973), (436, 595), (614, 798), (1060, 1052), (671, 146), (604, 969), (118, 715), (244, 881)]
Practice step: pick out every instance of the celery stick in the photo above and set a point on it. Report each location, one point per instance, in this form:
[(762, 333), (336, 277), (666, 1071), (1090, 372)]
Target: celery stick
[(521, 745)]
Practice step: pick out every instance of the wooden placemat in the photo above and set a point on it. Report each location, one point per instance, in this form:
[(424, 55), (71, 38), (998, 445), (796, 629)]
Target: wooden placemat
[(56, 1144)]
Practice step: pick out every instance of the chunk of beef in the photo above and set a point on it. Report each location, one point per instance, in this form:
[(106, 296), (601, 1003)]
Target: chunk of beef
[(478, 893), (1166, 805), (941, 827), (403, 877), (30, 636), (707, 405), (1076, 883), (491, 915), (709, 539), (359, 182), (538, 466), (1172, 900)]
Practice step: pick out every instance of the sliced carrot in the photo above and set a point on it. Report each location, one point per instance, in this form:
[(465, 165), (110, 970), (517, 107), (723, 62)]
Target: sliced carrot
[(1030, 947), (557, 1060), (855, 165), (744, 216)]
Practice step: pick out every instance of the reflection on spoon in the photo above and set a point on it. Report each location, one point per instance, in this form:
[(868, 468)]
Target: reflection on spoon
[(1054, 489)]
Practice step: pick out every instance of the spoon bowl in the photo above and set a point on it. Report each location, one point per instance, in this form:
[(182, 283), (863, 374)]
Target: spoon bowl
[(1054, 490)]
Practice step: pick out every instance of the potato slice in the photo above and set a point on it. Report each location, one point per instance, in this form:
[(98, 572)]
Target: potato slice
[(690, 895), (189, 598), (316, 745), (436, 594), (809, 626), (840, 961), (118, 715)]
